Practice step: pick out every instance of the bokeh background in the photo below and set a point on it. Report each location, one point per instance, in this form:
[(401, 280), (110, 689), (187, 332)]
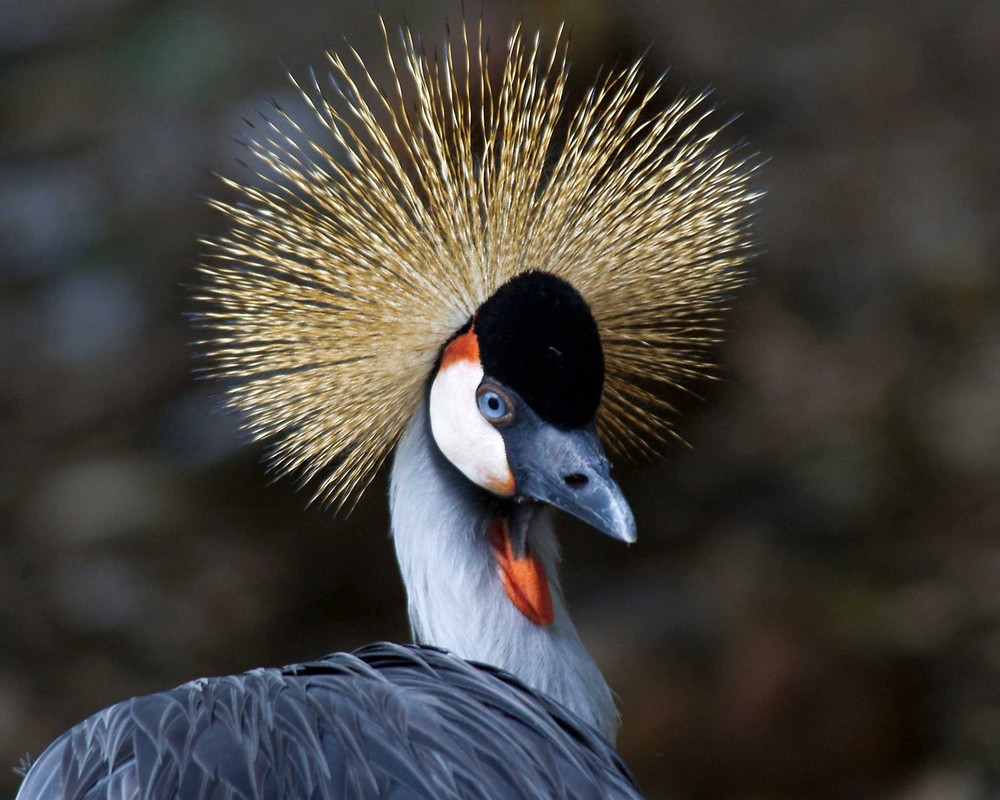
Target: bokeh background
[(813, 608)]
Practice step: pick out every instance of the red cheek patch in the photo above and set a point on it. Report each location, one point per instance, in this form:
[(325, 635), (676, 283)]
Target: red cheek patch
[(461, 348), (523, 579)]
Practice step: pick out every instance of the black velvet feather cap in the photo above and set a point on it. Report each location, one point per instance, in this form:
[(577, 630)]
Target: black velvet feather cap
[(536, 335)]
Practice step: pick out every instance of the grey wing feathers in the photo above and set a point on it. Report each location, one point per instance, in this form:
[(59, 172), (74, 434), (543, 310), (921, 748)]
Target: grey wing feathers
[(387, 721)]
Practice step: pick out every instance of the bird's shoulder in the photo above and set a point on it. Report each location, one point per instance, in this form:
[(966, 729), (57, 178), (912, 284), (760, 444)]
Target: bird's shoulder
[(404, 721)]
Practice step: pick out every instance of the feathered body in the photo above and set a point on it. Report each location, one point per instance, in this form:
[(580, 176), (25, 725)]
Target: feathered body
[(471, 271), (385, 722)]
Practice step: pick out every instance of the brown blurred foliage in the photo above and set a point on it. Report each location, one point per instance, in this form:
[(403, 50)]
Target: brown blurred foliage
[(813, 609)]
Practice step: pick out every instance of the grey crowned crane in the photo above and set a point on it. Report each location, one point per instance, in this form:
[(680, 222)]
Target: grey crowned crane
[(493, 286)]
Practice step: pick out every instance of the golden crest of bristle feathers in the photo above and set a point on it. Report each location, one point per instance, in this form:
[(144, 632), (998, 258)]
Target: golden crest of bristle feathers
[(350, 262)]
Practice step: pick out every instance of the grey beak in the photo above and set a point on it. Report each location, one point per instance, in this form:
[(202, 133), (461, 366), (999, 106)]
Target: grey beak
[(568, 469)]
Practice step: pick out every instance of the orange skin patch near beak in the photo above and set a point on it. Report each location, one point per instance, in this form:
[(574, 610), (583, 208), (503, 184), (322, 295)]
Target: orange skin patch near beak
[(504, 488), (523, 579)]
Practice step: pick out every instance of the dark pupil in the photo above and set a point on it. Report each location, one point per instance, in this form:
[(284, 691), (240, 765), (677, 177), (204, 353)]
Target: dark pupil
[(493, 403)]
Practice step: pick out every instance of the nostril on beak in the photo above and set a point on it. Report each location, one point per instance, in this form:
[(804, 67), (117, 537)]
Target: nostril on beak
[(576, 480)]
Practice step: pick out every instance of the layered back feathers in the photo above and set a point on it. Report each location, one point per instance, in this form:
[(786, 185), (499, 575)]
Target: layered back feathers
[(350, 262)]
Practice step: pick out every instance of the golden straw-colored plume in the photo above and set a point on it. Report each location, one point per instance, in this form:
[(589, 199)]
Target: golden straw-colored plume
[(349, 263)]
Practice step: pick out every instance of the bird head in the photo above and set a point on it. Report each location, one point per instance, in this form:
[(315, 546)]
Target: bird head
[(514, 398), (550, 272)]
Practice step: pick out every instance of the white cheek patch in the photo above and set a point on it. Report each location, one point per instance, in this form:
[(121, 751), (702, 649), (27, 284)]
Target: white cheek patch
[(467, 440)]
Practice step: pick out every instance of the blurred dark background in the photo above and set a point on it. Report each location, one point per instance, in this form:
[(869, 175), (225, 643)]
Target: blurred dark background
[(813, 608)]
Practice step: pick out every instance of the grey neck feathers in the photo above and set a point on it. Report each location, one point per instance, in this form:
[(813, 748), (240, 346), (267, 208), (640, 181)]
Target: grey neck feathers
[(455, 596)]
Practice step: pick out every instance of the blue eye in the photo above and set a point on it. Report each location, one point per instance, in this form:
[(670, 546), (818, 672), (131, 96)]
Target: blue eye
[(492, 404)]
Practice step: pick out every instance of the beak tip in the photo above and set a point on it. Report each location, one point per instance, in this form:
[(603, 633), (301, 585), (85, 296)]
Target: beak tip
[(623, 528), (629, 532)]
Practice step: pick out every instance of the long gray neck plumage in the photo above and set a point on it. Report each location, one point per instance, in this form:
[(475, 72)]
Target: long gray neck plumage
[(456, 599)]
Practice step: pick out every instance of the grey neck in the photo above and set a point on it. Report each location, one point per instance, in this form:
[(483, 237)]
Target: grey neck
[(455, 595)]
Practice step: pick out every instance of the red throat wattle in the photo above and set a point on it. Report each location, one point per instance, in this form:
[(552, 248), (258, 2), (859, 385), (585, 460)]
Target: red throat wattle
[(523, 578)]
